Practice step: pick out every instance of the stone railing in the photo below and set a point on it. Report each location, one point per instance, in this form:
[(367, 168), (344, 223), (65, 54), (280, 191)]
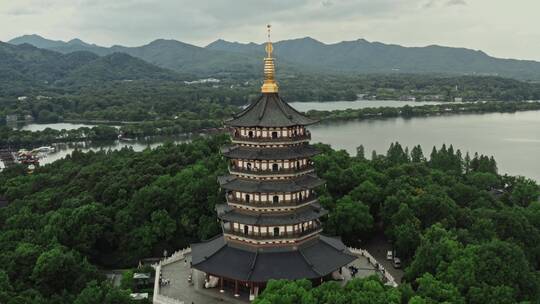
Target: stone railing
[(270, 204), (269, 172), (266, 236), (176, 256), (161, 299), (378, 266), (295, 138)]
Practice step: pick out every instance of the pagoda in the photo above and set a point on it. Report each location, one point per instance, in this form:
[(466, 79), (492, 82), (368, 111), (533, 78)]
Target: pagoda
[(271, 219)]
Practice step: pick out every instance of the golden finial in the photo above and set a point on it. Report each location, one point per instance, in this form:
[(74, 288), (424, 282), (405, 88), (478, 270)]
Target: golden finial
[(269, 85), (268, 46)]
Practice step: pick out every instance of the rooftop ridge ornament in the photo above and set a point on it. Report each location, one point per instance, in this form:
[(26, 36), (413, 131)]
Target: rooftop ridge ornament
[(269, 84)]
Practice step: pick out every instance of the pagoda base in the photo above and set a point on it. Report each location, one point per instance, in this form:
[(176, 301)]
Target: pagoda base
[(314, 260)]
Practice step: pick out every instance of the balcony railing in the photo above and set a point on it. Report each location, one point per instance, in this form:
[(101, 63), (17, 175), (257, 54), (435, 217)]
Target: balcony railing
[(282, 171), (267, 236), (269, 204), (295, 138)]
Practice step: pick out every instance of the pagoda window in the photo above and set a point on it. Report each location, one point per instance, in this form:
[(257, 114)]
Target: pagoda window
[(248, 166), (250, 134), (300, 196), (247, 198), (297, 165), (275, 199), (274, 134), (276, 231), (246, 229), (275, 167)]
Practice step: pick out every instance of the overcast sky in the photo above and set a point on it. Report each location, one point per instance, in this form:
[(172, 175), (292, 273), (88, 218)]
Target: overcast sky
[(501, 28)]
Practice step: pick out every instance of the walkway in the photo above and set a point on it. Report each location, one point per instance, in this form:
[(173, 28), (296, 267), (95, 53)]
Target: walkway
[(181, 290), (378, 246)]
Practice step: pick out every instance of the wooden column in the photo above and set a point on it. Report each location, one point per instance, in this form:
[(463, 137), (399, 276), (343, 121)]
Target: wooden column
[(221, 285), (236, 294)]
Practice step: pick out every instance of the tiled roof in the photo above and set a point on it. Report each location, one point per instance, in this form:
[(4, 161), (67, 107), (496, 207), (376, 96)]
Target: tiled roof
[(269, 111), (314, 259)]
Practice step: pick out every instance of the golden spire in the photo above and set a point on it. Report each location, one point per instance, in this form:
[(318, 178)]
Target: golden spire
[(269, 84)]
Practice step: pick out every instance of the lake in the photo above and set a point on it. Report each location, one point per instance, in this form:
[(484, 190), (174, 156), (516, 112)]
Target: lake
[(357, 104), (56, 126), (300, 106), (62, 150), (512, 138)]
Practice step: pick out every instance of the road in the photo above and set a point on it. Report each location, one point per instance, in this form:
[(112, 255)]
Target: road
[(377, 247)]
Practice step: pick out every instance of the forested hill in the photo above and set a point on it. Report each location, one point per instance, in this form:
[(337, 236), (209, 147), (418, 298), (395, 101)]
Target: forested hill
[(170, 54), (25, 66), (309, 55), (361, 56)]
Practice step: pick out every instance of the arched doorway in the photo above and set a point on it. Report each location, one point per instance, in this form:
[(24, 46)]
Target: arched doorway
[(276, 231), (274, 135), (275, 167), (246, 229), (275, 199), (247, 198)]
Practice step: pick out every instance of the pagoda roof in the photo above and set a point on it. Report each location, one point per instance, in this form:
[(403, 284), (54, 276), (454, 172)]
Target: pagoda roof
[(313, 259), (303, 182), (270, 110), (308, 213), (263, 153)]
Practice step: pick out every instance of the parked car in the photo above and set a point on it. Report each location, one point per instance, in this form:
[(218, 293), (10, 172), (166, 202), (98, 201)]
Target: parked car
[(397, 262), (389, 255)]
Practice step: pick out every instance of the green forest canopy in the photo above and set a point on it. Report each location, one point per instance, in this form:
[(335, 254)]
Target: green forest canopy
[(461, 240)]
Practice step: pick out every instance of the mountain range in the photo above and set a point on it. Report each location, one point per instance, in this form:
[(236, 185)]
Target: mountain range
[(305, 55), (25, 67)]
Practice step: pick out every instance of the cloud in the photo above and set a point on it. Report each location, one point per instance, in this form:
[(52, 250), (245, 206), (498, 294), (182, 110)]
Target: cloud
[(327, 3), (460, 23), (20, 11), (434, 3), (456, 2)]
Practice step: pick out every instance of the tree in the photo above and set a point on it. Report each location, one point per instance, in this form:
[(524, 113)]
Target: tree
[(350, 219), (435, 291), (437, 246), (417, 155), (360, 152), (5, 287), (95, 292), (396, 154), (492, 265), (368, 193), (127, 282), (285, 292), (524, 191), (58, 269)]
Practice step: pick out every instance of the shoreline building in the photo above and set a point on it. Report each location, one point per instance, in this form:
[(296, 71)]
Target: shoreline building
[(271, 218)]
